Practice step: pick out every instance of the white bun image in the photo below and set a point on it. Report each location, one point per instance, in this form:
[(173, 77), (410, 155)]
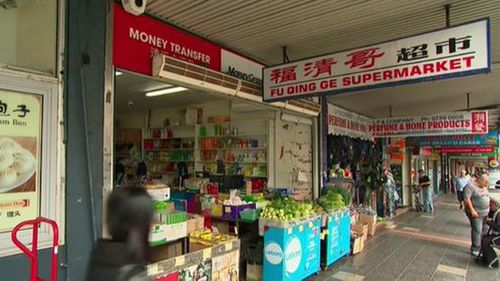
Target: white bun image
[(23, 162), (9, 145), (6, 159), (7, 177)]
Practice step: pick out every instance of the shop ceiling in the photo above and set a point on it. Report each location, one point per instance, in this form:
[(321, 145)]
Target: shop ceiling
[(131, 92), (259, 29)]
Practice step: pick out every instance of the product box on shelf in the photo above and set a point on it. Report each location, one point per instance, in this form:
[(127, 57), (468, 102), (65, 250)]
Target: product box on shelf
[(159, 194), (205, 238), (219, 262), (157, 235), (176, 231), (166, 251)]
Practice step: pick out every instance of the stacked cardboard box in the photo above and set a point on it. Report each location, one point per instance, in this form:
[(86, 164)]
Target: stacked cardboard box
[(362, 227), (371, 221)]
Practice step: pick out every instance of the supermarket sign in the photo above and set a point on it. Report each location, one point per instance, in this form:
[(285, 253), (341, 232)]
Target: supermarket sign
[(346, 123), (457, 51), (452, 123)]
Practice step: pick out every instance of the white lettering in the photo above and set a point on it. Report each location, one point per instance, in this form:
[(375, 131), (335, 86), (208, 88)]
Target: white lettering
[(134, 34), (147, 38)]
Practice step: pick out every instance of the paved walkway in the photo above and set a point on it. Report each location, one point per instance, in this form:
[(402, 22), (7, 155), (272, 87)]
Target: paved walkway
[(416, 247)]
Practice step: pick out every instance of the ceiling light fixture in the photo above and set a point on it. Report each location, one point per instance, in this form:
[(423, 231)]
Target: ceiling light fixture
[(165, 91), (118, 73)]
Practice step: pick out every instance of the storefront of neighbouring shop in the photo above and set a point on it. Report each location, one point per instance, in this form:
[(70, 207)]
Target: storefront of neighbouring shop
[(189, 125), (32, 154)]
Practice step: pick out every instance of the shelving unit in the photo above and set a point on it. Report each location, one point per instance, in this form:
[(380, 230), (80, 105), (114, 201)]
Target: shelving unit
[(233, 148), (200, 145), (231, 162)]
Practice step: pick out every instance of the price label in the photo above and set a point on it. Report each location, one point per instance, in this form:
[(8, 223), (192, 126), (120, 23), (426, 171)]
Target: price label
[(311, 224), (153, 269), (229, 246), (301, 228), (290, 230), (180, 260), (207, 253)]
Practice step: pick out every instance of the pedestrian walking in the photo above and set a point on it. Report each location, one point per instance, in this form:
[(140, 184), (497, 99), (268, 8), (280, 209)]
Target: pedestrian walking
[(460, 182), (124, 257), (424, 184), (477, 207)]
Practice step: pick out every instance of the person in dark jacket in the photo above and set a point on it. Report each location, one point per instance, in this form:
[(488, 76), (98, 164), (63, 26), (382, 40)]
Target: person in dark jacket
[(488, 253), (125, 255)]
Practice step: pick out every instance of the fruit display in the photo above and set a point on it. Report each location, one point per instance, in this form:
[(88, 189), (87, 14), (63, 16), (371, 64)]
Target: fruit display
[(286, 209)]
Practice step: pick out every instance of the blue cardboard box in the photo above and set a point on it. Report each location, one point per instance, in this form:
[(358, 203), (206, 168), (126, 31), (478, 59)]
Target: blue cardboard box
[(293, 252)]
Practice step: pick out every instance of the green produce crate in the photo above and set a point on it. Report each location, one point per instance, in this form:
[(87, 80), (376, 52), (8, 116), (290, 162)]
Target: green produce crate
[(250, 214)]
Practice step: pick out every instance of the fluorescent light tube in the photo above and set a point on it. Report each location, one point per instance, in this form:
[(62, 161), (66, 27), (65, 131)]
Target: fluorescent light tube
[(118, 73), (165, 91)]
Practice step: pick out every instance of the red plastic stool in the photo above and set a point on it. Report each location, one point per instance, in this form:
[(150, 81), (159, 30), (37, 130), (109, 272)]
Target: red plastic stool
[(32, 254)]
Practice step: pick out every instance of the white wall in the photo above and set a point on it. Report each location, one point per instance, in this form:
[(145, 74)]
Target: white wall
[(36, 45), (295, 141), (139, 119), (29, 35), (8, 29)]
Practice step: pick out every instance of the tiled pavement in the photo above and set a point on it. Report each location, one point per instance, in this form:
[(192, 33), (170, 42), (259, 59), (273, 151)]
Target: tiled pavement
[(416, 247)]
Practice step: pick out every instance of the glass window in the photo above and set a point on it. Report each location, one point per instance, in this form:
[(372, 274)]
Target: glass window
[(29, 34)]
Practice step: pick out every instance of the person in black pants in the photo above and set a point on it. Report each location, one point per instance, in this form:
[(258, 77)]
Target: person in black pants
[(486, 244)]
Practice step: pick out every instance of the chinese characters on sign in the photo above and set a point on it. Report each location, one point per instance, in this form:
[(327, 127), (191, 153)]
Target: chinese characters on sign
[(20, 136), (457, 128), (456, 51)]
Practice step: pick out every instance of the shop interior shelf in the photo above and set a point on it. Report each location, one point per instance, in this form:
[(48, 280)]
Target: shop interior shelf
[(169, 149), (173, 138), (230, 162), (176, 161), (233, 136), (234, 148)]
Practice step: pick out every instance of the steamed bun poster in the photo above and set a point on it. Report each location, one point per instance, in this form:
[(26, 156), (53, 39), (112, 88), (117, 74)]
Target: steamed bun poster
[(20, 134)]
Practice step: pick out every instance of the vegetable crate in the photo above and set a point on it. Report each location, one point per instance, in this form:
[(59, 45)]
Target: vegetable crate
[(336, 242), (250, 215), (293, 252), (233, 212)]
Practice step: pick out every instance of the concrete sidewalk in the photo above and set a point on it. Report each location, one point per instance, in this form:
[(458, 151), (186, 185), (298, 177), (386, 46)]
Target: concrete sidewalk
[(416, 247)]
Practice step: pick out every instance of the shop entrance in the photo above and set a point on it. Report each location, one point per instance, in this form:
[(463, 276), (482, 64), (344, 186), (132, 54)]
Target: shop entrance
[(168, 133)]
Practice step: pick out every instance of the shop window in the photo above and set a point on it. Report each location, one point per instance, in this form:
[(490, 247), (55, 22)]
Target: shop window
[(29, 162), (29, 34)]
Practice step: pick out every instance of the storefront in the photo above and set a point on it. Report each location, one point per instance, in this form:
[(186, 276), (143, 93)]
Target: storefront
[(354, 158), (32, 154), (188, 122)]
